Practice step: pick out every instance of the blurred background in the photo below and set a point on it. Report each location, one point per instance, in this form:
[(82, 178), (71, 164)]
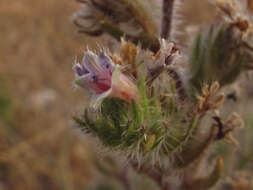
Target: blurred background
[(40, 148)]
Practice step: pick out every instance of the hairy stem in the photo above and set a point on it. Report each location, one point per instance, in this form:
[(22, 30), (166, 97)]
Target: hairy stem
[(167, 18), (179, 84), (123, 178), (154, 173)]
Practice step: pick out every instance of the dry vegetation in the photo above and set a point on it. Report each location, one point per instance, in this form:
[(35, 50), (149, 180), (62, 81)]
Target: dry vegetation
[(39, 146), (39, 149)]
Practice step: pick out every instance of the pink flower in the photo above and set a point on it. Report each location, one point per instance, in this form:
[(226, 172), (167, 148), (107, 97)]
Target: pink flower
[(103, 78)]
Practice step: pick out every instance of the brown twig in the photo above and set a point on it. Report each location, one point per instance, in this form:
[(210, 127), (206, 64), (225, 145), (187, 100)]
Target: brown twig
[(249, 67), (123, 178), (179, 84), (167, 18), (153, 172)]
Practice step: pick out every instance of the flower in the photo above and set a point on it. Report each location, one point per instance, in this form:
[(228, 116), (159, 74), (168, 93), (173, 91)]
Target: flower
[(103, 78)]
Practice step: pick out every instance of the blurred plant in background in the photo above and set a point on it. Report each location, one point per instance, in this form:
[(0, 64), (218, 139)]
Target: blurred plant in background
[(5, 103), (170, 108), (38, 149), (119, 18)]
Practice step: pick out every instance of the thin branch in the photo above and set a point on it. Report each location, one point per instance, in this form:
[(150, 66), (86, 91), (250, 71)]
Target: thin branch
[(153, 172), (123, 178), (249, 67), (179, 84), (167, 18)]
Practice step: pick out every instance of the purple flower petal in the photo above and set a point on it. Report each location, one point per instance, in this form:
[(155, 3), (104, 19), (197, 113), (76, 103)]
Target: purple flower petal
[(91, 64), (106, 62), (80, 70), (94, 83)]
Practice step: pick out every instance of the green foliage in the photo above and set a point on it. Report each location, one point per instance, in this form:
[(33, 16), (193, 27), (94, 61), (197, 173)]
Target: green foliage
[(143, 127), (216, 56), (165, 125)]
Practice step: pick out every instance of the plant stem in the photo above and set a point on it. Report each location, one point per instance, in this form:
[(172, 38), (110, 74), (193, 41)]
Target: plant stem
[(153, 172), (167, 18), (123, 178)]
